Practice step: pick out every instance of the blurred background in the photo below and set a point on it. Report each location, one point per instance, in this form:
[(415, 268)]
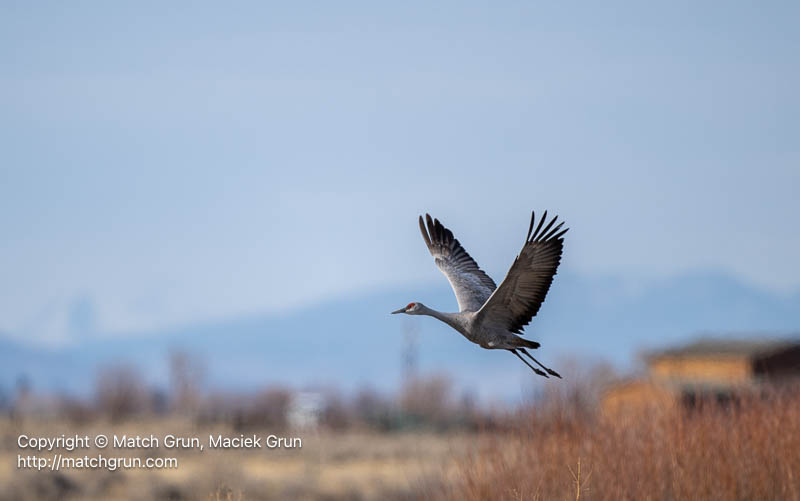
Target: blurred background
[(199, 201)]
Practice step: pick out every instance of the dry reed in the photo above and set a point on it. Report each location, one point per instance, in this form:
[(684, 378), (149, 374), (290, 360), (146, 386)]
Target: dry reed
[(746, 449)]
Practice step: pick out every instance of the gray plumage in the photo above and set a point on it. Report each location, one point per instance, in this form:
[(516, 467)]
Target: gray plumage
[(491, 316), (471, 285)]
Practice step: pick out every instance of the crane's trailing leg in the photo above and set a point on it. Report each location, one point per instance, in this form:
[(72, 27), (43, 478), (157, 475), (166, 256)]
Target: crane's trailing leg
[(549, 370), (537, 371)]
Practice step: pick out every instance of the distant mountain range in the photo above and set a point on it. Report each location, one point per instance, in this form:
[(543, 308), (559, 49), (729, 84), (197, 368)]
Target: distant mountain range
[(354, 340)]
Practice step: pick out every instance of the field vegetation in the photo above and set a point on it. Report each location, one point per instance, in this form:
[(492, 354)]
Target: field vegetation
[(744, 449), (422, 443)]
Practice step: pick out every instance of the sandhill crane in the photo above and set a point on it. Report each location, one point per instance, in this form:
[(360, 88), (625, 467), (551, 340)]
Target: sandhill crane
[(490, 316)]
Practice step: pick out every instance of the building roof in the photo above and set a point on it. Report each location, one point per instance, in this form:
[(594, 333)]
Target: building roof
[(744, 348)]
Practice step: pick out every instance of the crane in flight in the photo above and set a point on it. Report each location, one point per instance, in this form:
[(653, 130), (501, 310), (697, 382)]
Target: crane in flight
[(490, 316)]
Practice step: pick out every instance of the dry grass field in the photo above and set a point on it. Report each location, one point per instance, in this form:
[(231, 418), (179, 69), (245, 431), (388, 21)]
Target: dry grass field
[(330, 465), (556, 449), (746, 450)]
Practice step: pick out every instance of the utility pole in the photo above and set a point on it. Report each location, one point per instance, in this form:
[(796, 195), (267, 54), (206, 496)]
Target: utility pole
[(409, 358)]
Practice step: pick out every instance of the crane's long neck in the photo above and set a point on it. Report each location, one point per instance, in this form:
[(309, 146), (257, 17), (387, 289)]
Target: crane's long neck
[(448, 318)]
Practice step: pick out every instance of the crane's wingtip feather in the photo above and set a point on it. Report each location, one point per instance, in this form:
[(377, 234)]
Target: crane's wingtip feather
[(530, 228), (553, 231), (538, 227), (540, 236)]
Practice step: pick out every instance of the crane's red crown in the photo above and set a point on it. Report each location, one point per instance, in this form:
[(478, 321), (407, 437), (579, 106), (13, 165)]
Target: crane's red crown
[(410, 305)]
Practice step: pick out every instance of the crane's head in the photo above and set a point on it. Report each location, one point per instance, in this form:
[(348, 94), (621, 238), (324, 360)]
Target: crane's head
[(410, 309)]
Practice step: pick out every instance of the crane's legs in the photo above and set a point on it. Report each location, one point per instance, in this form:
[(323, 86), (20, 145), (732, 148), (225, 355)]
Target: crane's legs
[(549, 371), (537, 371)]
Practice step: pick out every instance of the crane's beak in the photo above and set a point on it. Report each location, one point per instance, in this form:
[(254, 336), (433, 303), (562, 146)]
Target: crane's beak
[(401, 310)]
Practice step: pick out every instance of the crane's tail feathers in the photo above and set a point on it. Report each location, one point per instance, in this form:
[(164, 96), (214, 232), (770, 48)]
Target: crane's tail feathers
[(524, 343)]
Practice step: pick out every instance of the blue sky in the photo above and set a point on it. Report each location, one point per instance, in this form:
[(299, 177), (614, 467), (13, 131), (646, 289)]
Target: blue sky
[(166, 164)]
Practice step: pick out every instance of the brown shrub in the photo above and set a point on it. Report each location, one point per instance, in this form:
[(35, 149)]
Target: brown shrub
[(750, 450), (428, 399), (120, 392)]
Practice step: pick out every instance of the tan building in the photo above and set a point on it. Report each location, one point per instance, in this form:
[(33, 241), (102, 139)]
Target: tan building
[(710, 368)]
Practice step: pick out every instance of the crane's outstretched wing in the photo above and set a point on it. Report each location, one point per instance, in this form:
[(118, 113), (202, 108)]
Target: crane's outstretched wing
[(471, 285), (522, 292)]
